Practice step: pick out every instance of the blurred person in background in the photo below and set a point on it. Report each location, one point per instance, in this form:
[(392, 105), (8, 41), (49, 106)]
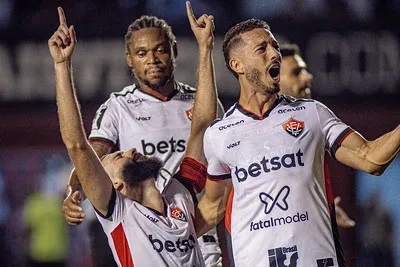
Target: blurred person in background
[(296, 81), (376, 234), (153, 115), (47, 231)]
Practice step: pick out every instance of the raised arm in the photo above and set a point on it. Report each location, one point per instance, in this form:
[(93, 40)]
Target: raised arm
[(92, 176), (73, 212), (205, 105), (211, 208), (370, 156)]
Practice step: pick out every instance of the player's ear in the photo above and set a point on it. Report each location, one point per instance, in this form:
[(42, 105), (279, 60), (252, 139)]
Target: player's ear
[(128, 57), (236, 66)]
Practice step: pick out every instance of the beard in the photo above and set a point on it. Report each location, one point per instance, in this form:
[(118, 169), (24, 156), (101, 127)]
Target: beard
[(136, 172), (254, 76), (161, 83)]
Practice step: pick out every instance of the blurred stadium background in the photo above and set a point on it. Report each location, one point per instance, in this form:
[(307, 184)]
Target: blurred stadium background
[(351, 47)]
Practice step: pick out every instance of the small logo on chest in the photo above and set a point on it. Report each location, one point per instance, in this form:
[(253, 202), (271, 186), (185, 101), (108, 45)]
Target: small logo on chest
[(143, 118), (152, 219), (233, 145), (178, 214), (189, 113), (293, 127)]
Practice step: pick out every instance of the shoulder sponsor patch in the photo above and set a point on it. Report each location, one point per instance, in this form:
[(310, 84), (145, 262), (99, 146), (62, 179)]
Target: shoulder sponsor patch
[(293, 127)]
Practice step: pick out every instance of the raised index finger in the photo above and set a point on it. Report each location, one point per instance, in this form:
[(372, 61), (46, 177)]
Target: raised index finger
[(61, 15), (191, 17)]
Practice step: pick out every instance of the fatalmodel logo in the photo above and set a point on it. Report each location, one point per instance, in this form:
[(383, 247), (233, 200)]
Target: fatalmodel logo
[(279, 200), (224, 127), (278, 256), (272, 222), (267, 165), (163, 147), (182, 245)]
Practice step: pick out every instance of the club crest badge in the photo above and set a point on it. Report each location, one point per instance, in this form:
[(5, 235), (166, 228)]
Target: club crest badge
[(293, 127), (178, 214), (189, 113)]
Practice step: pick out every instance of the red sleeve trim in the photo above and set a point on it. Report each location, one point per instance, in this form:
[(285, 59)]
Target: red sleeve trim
[(339, 140), (194, 171), (103, 141)]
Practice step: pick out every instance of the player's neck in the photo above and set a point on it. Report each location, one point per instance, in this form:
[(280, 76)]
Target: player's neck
[(151, 197), (163, 92), (256, 102)]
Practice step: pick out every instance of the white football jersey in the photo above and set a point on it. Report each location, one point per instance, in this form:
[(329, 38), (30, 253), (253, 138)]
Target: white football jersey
[(139, 236), (280, 213), (155, 127)]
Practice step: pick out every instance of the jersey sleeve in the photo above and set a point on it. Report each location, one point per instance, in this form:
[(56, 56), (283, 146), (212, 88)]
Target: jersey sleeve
[(217, 170), (118, 207), (333, 129), (193, 175), (105, 124)]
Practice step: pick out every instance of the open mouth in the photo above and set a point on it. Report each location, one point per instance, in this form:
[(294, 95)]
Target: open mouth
[(274, 72), (137, 157)]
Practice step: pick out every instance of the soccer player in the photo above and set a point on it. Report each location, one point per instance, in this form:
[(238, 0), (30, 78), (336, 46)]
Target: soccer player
[(271, 148), (154, 115), (144, 227)]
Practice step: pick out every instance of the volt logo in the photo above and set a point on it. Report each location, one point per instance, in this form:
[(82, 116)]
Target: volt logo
[(143, 118), (293, 127), (278, 256), (154, 220), (233, 145), (279, 200)]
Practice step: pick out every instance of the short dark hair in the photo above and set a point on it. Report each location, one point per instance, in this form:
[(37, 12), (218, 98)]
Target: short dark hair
[(288, 50), (151, 22), (232, 37)]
